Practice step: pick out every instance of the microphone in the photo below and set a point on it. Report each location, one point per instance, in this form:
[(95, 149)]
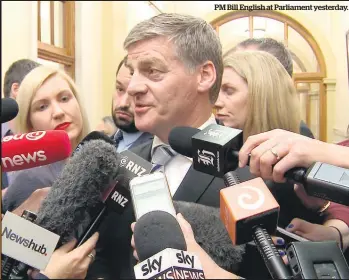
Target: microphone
[(161, 249), (211, 234), (75, 205), (215, 151), (84, 184), (9, 109), (249, 211), (94, 135), (28, 150)]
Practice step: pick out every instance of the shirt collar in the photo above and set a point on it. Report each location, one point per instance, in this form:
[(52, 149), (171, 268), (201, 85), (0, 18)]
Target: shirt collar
[(157, 142)]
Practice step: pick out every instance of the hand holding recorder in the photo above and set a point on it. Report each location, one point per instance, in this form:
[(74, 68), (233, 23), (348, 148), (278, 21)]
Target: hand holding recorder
[(275, 152)]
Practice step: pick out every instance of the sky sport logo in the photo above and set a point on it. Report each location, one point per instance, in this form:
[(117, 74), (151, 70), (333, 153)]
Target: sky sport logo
[(30, 244)]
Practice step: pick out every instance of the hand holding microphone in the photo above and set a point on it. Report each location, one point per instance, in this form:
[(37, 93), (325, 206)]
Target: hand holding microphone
[(210, 268), (275, 152), (69, 263)]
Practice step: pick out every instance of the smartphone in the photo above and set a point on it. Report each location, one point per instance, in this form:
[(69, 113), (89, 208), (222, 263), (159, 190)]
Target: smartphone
[(149, 193), (289, 236)]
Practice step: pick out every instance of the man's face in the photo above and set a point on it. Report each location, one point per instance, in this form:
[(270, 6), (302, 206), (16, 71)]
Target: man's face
[(162, 88), (122, 103)]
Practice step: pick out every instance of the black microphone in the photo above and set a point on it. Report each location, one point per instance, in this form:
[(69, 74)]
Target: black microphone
[(9, 109), (161, 249), (215, 151), (76, 202), (94, 135), (211, 234)]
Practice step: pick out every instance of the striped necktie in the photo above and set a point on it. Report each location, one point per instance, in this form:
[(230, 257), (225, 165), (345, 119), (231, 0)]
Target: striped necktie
[(162, 155)]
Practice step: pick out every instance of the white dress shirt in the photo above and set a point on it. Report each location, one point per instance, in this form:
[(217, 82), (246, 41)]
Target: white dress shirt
[(178, 166)]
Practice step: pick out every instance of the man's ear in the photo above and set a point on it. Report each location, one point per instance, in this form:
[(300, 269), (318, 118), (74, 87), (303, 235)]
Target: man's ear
[(14, 90), (207, 77)]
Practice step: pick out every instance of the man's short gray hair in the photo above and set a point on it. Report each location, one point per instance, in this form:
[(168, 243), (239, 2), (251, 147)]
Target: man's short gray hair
[(271, 46), (194, 39)]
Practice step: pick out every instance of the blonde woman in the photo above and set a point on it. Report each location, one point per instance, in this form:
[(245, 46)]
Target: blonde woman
[(257, 95), (48, 100)]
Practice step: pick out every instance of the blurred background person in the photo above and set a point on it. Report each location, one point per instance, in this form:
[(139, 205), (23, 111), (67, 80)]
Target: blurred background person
[(12, 80), (107, 126), (127, 136), (284, 56), (48, 100)]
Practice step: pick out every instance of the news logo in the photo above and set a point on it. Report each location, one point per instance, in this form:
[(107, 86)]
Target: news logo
[(123, 161), (27, 242), (247, 199), (214, 133), (206, 157), (36, 135), (170, 264), (31, 136), (18, 160), (34, 246), (133, 165)]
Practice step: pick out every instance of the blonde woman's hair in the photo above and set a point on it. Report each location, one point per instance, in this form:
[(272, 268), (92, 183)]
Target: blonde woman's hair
[(272, 100), (27, 90)]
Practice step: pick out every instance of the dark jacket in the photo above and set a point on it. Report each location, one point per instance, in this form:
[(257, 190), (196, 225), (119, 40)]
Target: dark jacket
[(144, 138), (114, 253)]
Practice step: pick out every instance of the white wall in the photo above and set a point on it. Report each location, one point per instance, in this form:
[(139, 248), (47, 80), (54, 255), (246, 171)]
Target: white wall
[(88, 40), (340, 25), (18, 32)]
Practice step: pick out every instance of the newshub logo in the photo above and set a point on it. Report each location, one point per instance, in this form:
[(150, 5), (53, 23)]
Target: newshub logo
[(30, 244)]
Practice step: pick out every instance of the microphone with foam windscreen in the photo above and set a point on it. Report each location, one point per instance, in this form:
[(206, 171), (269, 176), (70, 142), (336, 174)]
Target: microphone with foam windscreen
[(9, 109), (215, 151), (211, 234), (28, 150), (94, 135), (161, 249), (76, 203)]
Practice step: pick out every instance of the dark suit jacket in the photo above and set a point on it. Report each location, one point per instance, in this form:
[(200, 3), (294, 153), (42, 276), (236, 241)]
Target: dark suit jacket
[(114, 254), (145, 137)]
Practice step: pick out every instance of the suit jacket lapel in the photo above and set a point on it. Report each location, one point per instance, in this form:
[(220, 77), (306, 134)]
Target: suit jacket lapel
[(143, 150), (193, 186), (145, 137)]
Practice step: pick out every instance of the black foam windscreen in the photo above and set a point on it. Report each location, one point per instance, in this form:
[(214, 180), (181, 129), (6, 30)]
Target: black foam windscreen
[(211, 234), (180, 139), (76, 194), (9, 109), (157, 231), (94, 135)]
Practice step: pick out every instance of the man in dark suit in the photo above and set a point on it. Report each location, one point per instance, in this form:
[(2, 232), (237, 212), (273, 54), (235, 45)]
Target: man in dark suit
[(176, 78), (127, 135), (173, 83)]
